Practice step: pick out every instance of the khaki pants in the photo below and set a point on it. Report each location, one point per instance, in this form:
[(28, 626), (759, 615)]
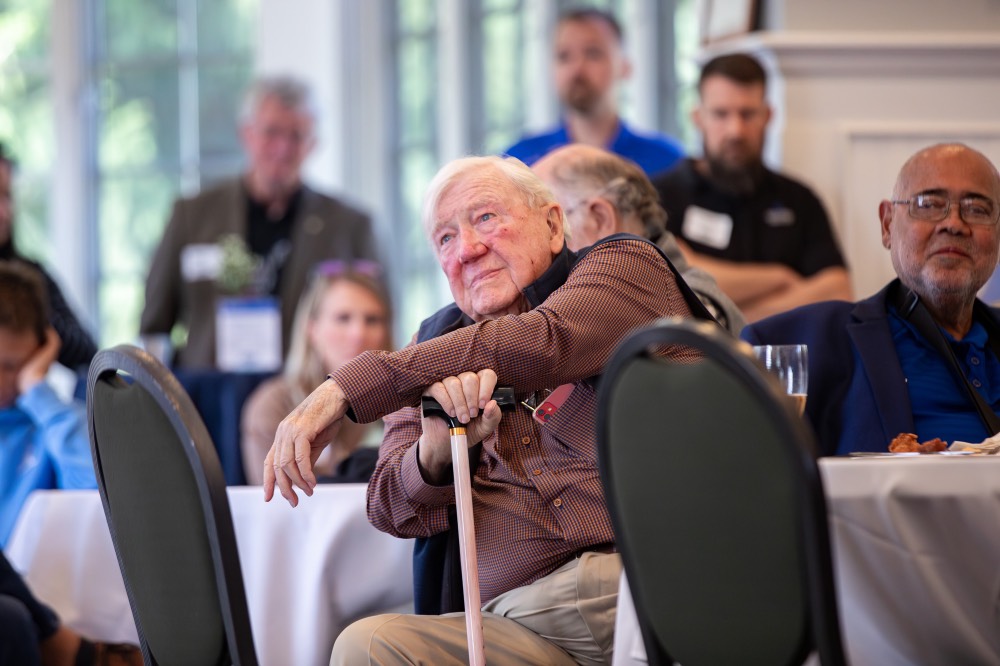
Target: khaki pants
[(567, 617)]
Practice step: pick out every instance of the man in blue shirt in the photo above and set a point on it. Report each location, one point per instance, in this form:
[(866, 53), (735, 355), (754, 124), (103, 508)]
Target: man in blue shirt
[(913, 357), (43, 440), (588, 65)]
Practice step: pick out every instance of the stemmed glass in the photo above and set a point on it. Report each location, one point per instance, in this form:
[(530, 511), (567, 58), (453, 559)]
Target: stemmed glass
[(790, 364)]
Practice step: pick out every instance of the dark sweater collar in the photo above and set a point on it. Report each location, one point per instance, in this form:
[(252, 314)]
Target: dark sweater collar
[(554, 277), (450, 318)]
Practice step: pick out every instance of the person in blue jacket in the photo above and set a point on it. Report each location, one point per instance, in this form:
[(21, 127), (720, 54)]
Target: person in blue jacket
[(913, 357), (43, 439), (589, 62)]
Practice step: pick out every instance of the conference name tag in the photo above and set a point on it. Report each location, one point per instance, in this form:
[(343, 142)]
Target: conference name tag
[(201, 261), (248, 334), (779, 216), (707, 227)]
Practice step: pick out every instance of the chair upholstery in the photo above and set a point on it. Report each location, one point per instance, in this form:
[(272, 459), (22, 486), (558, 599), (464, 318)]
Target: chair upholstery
[(717, 503), (165, 500)]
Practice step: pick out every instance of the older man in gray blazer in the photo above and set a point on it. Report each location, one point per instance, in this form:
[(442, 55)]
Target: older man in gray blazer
[(287, 226)]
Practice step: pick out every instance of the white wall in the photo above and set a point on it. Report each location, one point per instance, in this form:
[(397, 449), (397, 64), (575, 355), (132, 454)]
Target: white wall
[(883, 16)]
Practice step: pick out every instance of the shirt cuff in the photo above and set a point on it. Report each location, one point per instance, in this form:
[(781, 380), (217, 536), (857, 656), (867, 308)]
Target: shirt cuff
[(417, 489)]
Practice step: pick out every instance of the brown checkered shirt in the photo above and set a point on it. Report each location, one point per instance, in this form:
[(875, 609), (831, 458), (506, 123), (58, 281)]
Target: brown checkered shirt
[(536, 491)]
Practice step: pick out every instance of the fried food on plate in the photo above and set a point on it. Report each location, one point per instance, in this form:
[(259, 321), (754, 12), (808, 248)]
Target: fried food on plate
[(906, 442)]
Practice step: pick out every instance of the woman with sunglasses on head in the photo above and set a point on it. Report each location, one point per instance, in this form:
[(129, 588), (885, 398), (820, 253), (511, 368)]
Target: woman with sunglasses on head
[(343, 313)]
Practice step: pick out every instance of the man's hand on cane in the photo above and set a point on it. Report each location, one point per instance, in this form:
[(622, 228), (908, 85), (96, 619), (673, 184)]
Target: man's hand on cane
[(466, 397)]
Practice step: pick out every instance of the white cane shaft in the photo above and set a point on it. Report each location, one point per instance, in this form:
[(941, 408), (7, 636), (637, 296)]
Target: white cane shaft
[(467, 548)]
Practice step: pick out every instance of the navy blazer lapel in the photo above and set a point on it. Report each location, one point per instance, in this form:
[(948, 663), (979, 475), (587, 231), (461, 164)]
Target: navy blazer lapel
[(873, 341)]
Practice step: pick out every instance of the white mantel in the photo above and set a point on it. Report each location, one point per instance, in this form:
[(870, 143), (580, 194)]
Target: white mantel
[(850, 107), (824, 53)]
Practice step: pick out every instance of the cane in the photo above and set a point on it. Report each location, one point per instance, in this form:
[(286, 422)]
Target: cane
[(466, 527)]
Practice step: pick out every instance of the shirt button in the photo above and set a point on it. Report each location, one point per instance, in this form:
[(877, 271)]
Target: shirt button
[(526, 440), (536, 472), (974, 360), (557, 502), (976, 383)]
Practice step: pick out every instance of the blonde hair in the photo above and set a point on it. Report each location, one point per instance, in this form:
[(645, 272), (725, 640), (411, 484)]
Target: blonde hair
[(304, 369)]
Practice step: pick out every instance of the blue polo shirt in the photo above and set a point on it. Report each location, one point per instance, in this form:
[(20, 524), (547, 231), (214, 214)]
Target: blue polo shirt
[(941, 407), (43, 445), (654, 153)]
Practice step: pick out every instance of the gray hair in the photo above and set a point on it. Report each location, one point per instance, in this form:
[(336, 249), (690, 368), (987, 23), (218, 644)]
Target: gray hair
[(291, 93), (534, 192), (622, 182)]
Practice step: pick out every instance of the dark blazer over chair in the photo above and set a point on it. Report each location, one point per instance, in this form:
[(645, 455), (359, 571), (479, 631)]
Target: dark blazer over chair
[(717, 503), (165, 500)]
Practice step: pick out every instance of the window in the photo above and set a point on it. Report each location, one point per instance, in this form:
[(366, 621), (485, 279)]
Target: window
[(416, 277), (151, 101), (502, 74), (26, 117), (684, 77), (168, 77)]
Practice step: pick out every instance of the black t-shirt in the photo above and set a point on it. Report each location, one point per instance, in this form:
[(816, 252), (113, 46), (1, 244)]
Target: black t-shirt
[(270, 239), (781, 222)]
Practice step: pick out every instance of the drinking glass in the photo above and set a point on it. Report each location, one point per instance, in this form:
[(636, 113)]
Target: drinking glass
[(790, 364)]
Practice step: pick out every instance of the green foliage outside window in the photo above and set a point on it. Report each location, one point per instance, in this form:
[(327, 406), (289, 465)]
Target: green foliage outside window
[(170, 75), (26, 117)]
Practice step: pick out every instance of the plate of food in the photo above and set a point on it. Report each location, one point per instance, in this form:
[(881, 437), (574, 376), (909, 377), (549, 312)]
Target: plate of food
[(907, 445)]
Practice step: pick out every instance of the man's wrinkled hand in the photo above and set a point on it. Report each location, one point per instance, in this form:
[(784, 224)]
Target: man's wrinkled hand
[(300, 439)]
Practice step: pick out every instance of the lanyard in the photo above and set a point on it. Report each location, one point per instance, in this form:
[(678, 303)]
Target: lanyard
[(909, 307)]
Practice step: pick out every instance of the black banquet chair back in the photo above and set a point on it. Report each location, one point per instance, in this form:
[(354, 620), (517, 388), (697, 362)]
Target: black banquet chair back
[(165, 500), (717, 503)]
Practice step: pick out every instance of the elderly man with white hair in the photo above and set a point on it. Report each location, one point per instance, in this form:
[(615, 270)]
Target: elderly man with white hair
[(532, 315), (922, 355)]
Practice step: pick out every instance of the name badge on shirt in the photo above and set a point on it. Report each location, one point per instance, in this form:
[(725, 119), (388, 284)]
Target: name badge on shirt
[(707, 227), (201, 261), (779, 216), (248, 334)]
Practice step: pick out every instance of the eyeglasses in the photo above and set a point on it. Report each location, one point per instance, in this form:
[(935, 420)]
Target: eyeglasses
[(935, 207), (334, 267)]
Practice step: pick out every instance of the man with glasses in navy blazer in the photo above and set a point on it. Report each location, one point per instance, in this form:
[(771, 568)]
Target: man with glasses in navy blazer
[(921, 355)]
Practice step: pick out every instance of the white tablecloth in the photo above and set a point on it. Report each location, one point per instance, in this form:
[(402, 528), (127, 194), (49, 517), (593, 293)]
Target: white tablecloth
[(917, 556), (308, 571)]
